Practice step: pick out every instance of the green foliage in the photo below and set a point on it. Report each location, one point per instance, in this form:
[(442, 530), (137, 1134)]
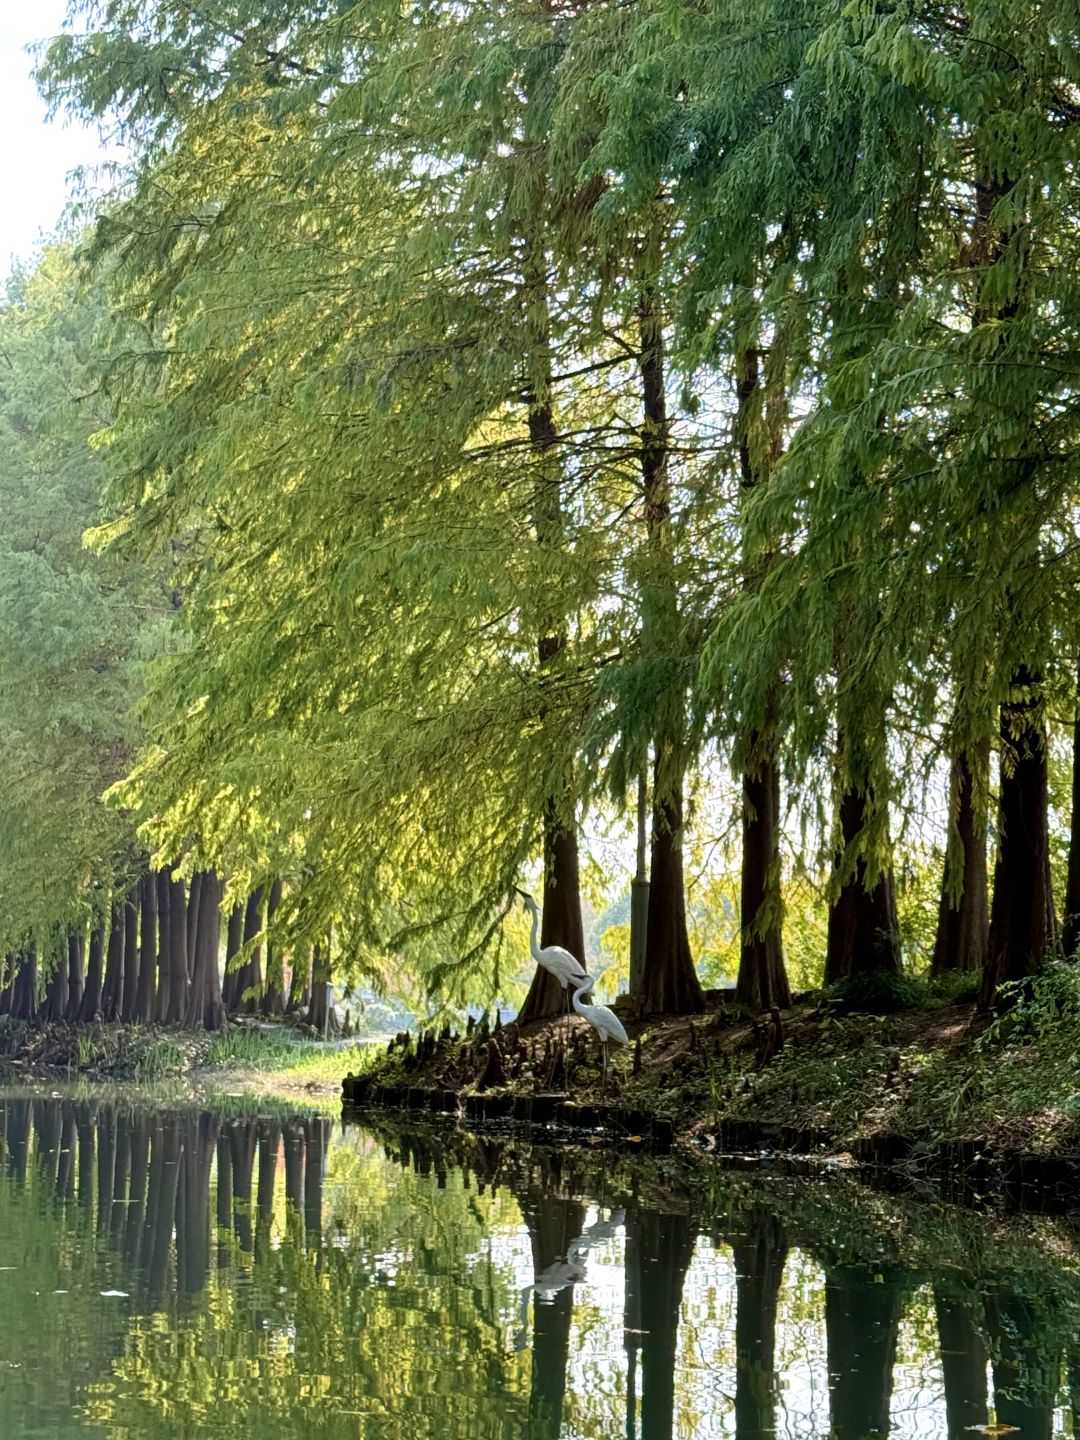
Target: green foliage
[(71, 624), (874, 992), (386, 289)]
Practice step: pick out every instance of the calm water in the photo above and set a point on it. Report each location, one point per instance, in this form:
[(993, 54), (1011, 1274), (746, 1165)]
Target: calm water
[(173, 1273)]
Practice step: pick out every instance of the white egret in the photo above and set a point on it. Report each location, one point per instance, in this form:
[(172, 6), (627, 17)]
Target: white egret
[(609, 1028), (553, 958)]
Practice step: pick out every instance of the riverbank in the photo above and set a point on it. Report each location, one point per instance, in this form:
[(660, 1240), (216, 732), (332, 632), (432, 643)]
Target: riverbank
[(931, 1084), (928, 1084), (260, 1061)]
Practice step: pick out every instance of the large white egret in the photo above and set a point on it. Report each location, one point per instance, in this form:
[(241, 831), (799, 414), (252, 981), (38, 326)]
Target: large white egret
[(609, 1028), (566, 968)]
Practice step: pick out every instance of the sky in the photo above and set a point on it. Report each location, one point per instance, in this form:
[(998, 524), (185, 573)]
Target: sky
[(37, 155)]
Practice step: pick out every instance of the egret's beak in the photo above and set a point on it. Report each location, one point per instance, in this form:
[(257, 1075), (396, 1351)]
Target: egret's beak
[(523, 893)]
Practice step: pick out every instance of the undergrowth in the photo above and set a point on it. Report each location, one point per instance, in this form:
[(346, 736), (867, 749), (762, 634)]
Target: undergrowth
[(1013, 1079)]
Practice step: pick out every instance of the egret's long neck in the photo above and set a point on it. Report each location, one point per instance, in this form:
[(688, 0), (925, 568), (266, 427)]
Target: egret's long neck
[(578, 989), (535, 940)]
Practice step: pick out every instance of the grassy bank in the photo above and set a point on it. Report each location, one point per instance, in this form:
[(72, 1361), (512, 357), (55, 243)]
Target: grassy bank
[(259, 1062)]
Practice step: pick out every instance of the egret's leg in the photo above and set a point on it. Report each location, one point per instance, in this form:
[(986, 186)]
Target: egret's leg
[(603, 1087), (566, 1034)]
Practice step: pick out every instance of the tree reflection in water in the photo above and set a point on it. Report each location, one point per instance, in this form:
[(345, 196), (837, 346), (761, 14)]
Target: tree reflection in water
[(180, 1272)]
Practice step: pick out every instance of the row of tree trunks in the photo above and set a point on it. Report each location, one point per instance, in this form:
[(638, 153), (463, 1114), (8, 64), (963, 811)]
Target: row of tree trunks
[(136, 968), (669, 981)]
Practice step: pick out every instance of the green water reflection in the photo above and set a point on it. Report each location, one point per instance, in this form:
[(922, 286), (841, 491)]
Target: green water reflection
[(174, 1273)]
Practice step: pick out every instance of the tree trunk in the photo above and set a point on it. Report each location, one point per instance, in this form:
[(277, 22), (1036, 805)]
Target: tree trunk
[(300, 983), (249, 977), (561, 904), (148, 951), (165, 1160), (268, 1158), (179, 919), (162, 1002), (963, 921), (234, 939), (224, 1196), (318, 1014), (55, 1006), (862, 1320), (1070, 930), (113, 990), (759, 1269), (639, 891), (140, 1160), (75, 964), (1027, 1362), (131, 957), (106, 1165), (24, 995), (862, 934), (293, 1143), (65, 1164), (193, 1222), (193, 914), (552, 1223), (1022, 912), (763, 980), (242, 1143), (273, 1000), (91, 996), (204, 1009), (671, 984), (314, 1152), (659, 1249)]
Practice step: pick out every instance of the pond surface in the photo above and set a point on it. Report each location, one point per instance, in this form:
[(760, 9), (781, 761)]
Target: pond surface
[(175, 1273)]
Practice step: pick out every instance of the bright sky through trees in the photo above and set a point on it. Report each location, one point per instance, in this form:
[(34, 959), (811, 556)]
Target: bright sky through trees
[(40, 154)]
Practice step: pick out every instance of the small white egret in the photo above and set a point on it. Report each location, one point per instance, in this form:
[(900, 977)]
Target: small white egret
[(609, 1028)]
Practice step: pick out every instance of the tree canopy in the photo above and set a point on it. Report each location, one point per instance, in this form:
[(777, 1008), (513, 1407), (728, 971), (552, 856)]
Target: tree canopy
[(524, 406)]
